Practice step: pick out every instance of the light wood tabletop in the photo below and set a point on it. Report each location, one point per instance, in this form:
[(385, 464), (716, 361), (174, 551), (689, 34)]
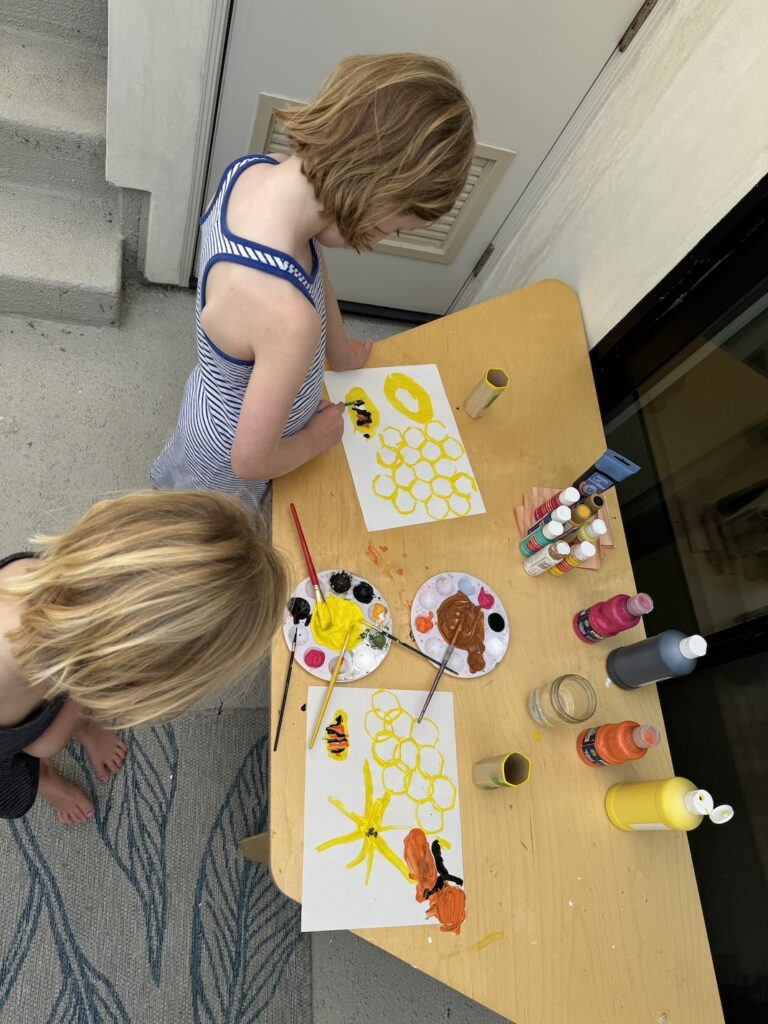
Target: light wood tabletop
[(569, 920)]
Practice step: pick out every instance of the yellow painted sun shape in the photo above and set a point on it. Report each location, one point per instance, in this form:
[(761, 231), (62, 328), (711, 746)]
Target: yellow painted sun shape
[(368, 828)]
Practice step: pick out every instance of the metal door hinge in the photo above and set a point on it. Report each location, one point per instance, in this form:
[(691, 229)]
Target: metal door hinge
[(486, 255)]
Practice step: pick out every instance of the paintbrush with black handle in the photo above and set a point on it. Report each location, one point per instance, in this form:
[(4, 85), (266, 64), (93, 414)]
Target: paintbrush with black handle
[(446, 658), (285, 688), (299, 610)]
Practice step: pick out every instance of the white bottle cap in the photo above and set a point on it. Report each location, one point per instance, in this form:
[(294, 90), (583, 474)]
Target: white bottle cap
[(553, 530), (569, 496), (693, 646), (562, 548), (698, 801), (596, 528), (583, 551), (721, 814), (646, 736), (562, 514), (640, 604)]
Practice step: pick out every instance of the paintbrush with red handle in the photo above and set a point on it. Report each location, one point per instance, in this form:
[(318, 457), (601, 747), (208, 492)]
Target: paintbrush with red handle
[(323, 610)]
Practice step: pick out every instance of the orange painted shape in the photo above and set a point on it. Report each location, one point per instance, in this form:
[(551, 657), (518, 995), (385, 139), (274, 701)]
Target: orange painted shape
[(421, 863), (449, 906), (337, 737)]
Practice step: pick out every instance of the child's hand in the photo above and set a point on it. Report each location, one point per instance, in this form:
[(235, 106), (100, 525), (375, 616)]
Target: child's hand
[(327, 425), (353, 356)]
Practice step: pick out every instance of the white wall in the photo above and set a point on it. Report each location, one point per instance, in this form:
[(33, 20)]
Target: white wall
[(671, 137), (163, 68)]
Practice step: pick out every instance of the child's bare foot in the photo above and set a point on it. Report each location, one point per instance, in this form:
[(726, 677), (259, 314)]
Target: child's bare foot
[(105, 750), (71, 804)]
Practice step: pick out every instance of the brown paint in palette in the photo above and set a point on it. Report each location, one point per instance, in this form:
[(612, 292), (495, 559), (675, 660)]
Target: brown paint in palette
[(458, 609)]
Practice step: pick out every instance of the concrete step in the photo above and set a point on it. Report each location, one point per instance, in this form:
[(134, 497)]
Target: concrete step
[(60, 256), (80, 21), (52, 114)]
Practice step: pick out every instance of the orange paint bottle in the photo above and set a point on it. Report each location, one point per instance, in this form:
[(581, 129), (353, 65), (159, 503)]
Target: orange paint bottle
[(616, 743)]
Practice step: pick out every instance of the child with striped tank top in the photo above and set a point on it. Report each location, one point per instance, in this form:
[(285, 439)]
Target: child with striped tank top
[(386, 145)]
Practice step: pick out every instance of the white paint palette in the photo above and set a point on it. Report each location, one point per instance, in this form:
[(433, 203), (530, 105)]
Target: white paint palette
[(354, 597), (426, 632)]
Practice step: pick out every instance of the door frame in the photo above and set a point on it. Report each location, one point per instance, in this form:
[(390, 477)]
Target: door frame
[(164, 69)]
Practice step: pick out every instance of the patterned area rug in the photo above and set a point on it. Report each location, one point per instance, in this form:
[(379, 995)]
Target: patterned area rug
[(150, 915)]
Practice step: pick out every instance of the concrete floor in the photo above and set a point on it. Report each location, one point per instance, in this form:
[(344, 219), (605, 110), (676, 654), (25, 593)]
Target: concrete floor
[(83, 413)]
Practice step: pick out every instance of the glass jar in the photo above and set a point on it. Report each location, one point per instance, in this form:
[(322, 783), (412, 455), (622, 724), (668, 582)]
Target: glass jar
[(567, 700)]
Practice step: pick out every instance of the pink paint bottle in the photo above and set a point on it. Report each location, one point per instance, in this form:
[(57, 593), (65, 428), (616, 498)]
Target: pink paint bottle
[(607, 618)]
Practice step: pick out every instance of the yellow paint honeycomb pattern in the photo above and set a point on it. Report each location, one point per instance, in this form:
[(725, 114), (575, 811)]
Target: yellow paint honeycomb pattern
[(410, 760), (419, 465)]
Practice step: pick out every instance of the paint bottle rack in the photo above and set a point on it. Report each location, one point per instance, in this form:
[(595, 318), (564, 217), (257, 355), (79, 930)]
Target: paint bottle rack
[(531, 501)]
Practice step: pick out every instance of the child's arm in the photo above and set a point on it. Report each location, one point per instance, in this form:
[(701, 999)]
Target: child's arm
[(59, 732), (342, 353), (283, 355)]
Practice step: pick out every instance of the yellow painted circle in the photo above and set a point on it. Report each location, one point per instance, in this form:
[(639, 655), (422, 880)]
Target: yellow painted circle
[(395, 382)]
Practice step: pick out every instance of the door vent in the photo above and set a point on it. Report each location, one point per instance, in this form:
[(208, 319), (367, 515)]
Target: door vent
[(438, 242)]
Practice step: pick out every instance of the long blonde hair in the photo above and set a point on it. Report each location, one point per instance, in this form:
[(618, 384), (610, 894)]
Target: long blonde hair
[(388, 134), (147, 603)]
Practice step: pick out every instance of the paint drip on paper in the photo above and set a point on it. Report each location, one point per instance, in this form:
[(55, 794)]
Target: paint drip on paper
[(382, 778), (407, 460)]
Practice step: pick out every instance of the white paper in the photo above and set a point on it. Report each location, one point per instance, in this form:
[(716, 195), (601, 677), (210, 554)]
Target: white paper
[(335, 895), (413, 467)]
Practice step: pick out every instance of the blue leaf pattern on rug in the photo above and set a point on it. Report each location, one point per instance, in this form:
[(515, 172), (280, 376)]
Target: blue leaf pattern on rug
[(243, 930), (86, 996), (132, 821), (24, 933)]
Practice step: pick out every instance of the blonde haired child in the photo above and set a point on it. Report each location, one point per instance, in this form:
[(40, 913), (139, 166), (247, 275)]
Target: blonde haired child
[(144, 606), (386, 145)]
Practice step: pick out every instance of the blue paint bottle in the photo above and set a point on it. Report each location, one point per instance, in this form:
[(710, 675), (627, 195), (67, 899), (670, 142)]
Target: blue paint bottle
[(607, 471)]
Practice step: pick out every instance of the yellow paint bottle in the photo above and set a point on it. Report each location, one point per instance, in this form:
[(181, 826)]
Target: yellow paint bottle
[(662, 804)]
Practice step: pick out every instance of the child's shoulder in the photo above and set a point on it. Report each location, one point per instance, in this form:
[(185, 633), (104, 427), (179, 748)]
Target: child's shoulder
[(247, 309)]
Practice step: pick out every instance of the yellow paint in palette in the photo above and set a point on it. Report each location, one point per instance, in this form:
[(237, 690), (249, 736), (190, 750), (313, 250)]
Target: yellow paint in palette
[(344, 614)]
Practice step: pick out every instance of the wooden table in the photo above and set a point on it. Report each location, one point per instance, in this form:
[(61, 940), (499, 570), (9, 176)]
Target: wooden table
[(569, 919)]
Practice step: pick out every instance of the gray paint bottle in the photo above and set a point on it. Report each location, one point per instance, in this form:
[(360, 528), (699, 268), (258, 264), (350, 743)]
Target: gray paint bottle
[(671, 653)]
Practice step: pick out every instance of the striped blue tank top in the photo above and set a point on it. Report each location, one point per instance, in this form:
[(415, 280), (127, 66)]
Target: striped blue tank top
[(198, 456)]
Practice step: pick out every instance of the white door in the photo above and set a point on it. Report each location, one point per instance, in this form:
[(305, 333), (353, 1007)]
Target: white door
[(525, 64)]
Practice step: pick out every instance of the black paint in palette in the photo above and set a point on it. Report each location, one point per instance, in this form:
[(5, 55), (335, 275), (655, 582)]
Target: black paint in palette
[(340, 582), (298, 609), (363, 592)]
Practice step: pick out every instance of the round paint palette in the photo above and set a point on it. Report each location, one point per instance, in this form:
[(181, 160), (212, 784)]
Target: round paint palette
[(465, 594), (351, 599)]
